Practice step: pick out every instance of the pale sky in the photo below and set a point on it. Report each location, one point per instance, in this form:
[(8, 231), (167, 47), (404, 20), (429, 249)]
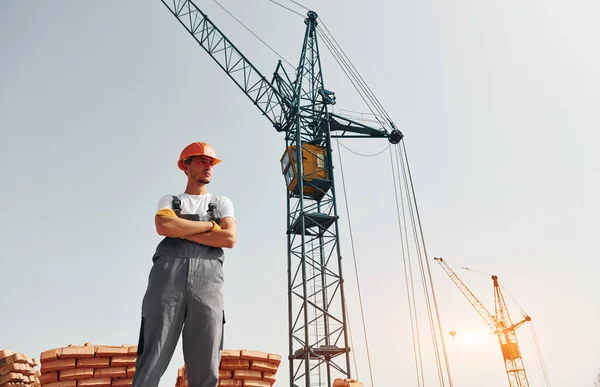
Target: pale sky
[(499, 106)]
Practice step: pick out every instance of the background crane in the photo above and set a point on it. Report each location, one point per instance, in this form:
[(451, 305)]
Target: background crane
[(502, 326), (298, 107)]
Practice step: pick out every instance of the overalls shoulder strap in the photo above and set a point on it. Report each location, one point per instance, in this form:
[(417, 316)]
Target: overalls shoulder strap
[(213, 212), (176, 205)]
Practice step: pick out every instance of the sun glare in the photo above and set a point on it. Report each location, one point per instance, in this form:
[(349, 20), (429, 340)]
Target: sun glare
[(470, 338)]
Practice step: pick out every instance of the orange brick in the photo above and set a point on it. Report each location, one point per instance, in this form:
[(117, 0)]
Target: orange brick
[(14, 358), (253, 355), (229, 354), (76, 374), (13, 377), (130, 371), (256, 383), (77, 352), (247, 374), (66, 383), (225, 374), (121, 382), (17, 384), (49, 377), (110, 351), (96, 362), (50, 355), (95, 382), (17, 367), (58, 365), (235, 364), (111, 372), (263, 366), (269, 377), (119, 361), (132, 350), (5, 353), (230, 383), (274, 358)]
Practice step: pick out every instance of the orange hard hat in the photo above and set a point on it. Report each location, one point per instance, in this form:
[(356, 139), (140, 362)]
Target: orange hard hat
[(197, 149)]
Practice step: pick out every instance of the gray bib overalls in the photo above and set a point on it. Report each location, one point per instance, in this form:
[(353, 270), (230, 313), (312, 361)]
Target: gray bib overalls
[(184, 293)]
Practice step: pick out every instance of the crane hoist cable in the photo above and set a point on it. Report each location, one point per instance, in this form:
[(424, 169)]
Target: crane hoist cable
[(539, 353), (355, 267), (407, 216), (408, 277), (402, 164)]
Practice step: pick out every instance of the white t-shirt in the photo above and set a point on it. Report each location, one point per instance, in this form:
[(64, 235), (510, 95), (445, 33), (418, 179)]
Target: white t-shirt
[(198, 204)]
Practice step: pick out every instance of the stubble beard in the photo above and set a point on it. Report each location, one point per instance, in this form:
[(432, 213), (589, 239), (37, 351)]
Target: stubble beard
[(202, 180)]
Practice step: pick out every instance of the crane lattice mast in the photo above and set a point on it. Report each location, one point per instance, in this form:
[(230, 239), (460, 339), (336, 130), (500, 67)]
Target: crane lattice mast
[(500, 324), (298, 107)]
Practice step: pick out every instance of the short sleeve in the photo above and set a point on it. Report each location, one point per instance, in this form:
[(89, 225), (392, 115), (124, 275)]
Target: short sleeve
[(165, 202), (226, 208)]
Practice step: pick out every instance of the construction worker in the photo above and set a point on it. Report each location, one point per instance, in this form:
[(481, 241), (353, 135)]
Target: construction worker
[(185, 284)]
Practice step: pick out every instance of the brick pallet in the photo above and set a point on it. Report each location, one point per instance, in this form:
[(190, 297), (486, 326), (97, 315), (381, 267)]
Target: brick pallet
[(88, 366), (241, 368), (17, 370)]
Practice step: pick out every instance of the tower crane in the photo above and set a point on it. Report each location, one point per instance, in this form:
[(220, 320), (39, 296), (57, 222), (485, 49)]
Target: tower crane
[(299, 107), (500, 324)]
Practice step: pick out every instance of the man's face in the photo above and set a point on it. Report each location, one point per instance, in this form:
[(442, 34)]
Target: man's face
[(199, 169)]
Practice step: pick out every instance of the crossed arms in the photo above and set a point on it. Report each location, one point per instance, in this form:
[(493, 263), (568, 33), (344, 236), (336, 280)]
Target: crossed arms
[(198, 231)]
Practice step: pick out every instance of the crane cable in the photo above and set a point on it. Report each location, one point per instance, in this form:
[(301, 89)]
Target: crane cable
[(255, 35), (295, 2), (355, 270), (348, 71), (331, 39), (419, 240), (408, 277), (289, 9), (539, 353), (400, 168), (361, 154)]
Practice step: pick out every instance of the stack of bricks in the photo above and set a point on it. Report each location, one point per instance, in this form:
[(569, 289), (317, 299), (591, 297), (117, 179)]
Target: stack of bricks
[(88, 366), (17, 370), (241, 368), (347, 383)]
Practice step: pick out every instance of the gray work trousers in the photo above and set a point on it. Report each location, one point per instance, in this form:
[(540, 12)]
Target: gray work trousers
[(184, 293)]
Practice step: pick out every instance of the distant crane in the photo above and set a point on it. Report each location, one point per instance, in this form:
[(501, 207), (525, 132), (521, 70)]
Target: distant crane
[(501, 325)]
